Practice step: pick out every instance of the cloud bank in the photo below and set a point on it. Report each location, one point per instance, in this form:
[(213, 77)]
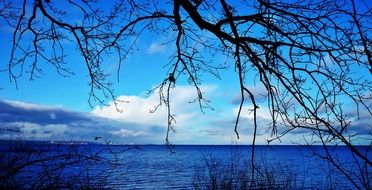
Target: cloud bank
[(137, 124), (37, 122)]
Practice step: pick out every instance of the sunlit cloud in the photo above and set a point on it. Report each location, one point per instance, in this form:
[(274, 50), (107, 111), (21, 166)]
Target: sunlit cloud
[(145, 109), (128, 133)]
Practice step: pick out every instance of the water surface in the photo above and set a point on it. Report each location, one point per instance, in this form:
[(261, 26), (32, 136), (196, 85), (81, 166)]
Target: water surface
[(182, 167)]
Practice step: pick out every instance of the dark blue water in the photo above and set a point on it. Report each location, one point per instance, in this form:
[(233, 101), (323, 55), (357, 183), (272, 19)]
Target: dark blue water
[(182, 167)]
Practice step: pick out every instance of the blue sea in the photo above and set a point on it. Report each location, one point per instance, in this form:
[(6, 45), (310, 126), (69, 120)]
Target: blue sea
[(74, 166)]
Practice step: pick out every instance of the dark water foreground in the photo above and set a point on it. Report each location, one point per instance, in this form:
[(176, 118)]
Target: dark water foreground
[(43, 165)]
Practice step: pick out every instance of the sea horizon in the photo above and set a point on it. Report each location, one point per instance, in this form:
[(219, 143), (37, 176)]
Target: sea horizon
[(77, 142)]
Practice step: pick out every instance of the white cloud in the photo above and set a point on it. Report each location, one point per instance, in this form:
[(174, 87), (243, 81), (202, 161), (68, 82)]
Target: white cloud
[(128, 133), (37, 131), (192, 127), (247, 112), (137, 109), (156, 47), (259, 92), (29, 106)]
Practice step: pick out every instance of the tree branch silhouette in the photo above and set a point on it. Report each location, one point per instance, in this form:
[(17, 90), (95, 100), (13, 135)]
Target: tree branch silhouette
[(312, 57)]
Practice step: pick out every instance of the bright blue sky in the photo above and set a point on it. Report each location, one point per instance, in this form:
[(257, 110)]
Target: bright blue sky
[(61, 104), (52, 94)]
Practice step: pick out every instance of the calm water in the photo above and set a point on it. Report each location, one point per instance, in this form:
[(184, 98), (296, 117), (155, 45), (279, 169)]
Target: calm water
[(184, 167)]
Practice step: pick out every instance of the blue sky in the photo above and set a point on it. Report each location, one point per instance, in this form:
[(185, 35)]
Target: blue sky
[(52, 98), (56, 107)]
